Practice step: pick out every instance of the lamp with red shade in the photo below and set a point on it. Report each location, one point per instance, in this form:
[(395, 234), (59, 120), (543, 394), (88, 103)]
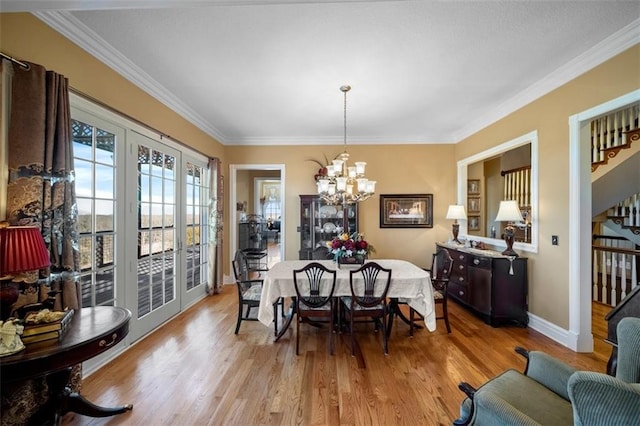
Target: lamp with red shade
[(22, 250)]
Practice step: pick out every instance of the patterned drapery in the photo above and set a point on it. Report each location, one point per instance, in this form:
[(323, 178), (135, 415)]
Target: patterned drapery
[(216, 207), (41, 192)]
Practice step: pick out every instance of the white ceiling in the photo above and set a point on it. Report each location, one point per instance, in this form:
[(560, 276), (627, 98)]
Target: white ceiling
[(269, 72)]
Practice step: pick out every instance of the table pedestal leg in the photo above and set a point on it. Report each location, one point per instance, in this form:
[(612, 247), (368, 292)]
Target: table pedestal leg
[(62, 400), (288, 318), (394, 310)]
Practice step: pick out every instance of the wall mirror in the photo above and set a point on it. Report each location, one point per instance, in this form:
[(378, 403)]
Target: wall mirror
[(508, 171)]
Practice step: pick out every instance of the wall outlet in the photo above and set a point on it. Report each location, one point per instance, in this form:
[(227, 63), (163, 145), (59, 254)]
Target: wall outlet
[(554, 240)]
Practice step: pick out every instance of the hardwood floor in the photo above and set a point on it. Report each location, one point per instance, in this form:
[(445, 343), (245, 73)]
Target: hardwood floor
[(195, 371)]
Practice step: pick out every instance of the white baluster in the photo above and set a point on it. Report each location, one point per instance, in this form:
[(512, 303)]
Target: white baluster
[(614, 281), (623, 276), (634, 274), (595, 274), (594, 143), (604, 275)]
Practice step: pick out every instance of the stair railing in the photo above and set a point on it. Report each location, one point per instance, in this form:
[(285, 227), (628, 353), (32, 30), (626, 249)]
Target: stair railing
[(612, 132), (627, 213), (616, 270)]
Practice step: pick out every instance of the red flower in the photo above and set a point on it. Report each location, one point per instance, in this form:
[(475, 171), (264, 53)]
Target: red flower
[(336, 243), (361, 245), (349, 245)]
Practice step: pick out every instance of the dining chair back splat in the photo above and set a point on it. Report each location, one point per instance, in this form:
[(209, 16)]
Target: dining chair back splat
[(369, 286), (314, 297)]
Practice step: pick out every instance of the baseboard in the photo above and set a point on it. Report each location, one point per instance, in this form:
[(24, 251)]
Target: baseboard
[(560, 335)]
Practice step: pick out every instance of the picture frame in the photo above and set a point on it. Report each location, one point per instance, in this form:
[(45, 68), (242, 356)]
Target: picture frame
[(474, 223), (406, 211), (473, 186), (473, 205)]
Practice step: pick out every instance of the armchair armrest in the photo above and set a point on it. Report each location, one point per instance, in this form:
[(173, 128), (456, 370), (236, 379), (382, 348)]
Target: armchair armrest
[(598, 398), (550, 372)]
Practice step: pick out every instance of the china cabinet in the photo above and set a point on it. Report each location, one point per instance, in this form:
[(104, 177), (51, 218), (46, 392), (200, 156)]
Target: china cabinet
[(320, 222)]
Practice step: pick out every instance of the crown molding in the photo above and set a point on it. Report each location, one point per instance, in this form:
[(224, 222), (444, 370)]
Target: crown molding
[(611, 46), (66, 24)]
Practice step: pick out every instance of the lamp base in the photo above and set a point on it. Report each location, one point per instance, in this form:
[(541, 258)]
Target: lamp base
[(456, 229), (509, 233), (9, 292)]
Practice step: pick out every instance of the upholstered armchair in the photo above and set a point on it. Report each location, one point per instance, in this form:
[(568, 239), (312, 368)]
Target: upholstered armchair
[(551, 392)]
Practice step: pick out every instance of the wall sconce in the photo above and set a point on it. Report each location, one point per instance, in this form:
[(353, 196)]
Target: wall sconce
[(509, 212), (456, 212), (22, 249)]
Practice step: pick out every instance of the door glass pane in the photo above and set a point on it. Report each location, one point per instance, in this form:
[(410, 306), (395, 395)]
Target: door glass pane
[(195, 243), (94, 165), (156, 233)]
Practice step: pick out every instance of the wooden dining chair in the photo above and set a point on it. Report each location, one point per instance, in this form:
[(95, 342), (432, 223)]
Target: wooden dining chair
[(249, 289), (441, 266), (249, 285), (369, 286), (314, 297)]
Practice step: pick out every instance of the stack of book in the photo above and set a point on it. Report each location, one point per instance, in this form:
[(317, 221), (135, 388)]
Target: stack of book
[(46, 330)]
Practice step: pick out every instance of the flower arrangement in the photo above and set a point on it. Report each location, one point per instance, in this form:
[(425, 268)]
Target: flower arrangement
[(345, 245)]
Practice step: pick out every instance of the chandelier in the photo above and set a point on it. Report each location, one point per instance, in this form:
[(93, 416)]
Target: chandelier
[(345, 184)]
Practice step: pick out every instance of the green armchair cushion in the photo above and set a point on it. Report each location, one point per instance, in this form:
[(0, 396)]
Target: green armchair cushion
[(496, 401)]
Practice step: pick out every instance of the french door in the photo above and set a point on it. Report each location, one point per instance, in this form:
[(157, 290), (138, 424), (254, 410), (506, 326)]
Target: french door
[(153, 243), (143, 221)]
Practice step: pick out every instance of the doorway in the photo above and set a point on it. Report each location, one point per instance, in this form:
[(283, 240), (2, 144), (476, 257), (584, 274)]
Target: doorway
[(580, 337), (244, 201)]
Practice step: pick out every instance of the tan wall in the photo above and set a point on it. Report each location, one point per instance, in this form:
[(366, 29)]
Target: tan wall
[(403, 169), (398, 169), (548, 269), (25, 37)]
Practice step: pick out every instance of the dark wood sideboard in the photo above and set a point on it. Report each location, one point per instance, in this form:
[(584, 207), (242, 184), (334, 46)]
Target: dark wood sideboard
[(491, 285)]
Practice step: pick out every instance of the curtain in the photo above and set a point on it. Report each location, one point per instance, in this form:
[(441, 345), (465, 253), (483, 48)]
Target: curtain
[(215, 246), (41, 192)]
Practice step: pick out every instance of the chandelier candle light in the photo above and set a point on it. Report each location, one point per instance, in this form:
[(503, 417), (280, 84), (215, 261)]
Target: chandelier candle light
[(345, 184), (509, 212), (456, 212)]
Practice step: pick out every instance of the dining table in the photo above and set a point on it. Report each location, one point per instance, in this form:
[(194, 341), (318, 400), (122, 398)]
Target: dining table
[(409, 284)]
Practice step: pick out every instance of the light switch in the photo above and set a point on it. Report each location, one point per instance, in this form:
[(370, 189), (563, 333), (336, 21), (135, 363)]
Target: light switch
[(554, 240)]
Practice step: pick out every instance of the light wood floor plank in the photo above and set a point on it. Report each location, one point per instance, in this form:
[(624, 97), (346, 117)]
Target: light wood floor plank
[(195, 371)]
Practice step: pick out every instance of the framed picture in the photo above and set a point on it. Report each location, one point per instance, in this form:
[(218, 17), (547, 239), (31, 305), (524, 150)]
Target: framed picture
[(473, 204), (406, 211), (474, 223), (473, 186)]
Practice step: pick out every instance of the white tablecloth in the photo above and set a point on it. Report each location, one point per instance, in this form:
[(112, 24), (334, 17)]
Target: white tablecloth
[(409, 283)]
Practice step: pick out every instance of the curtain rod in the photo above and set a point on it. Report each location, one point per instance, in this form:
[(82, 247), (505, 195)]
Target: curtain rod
[(103, 105), (135, 120), (15, 61)]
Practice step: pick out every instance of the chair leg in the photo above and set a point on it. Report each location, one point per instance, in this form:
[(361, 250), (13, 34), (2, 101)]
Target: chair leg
[(385, 339), (331, 331), (353, 339), (445, 314), (275, 318), (411, 319), (297, 335), (239, 318)]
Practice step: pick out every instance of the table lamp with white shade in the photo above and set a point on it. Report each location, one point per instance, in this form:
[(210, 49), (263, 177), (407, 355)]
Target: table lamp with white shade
[(456, 212), (509, 212)]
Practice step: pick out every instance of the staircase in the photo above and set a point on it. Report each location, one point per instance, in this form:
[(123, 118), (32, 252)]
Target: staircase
[(616, 205)]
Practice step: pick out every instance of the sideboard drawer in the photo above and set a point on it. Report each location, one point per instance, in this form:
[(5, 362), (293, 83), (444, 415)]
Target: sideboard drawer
[(459, 291)]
